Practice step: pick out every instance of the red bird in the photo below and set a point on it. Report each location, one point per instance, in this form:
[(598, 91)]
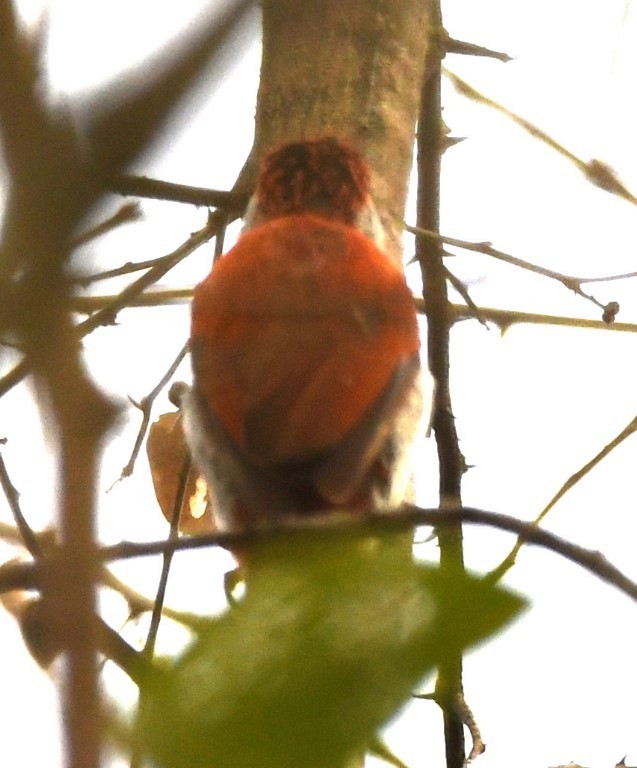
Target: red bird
[(305, 351)]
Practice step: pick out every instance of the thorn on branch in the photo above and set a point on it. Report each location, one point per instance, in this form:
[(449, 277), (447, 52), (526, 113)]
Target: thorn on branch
[(451, 45), (451, 141), (464, 292)]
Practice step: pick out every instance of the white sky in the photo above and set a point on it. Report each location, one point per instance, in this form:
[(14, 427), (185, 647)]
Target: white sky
[(532, 406)]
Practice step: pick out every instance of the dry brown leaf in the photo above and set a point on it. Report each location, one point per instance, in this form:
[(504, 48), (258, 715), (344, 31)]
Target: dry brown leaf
[(34, 625), (167, 451)]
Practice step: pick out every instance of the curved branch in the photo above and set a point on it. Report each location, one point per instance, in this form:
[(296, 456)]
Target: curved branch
[(27, 575), (404, 519)]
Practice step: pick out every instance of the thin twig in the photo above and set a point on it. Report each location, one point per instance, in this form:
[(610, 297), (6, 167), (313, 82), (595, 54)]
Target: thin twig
[(145, 405), (139, 603), (221, 236), (151, 639), (107, 313), (572, 283), (155, 619), (113, 646), (126, 214), (501, 317), (125, 269), (27, 534), (141, 186), (226, 214), (155, 298), (595, 171), (608, 278), (509, 560), (505, 318), (464, 292)]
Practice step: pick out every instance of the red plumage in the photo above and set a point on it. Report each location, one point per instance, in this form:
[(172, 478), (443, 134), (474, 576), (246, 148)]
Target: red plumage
[(304, 347)]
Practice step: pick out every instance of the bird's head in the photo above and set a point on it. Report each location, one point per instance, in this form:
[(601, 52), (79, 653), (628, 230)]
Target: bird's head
[(325, 177)]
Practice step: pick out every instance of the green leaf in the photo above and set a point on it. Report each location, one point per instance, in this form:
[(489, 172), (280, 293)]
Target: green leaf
[(330, 640)]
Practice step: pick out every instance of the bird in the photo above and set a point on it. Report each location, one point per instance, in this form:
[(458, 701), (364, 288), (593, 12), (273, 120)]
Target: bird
[(304, 343)]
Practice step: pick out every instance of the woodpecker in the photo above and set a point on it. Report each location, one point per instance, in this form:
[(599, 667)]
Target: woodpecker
[(305, 350)]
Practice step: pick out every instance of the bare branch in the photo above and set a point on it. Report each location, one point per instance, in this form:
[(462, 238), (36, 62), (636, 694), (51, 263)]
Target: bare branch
[(572, 283), (107, 313), (27, 535), (28, 575), (151, 638), (125, 214), (595, 171), (52, 180), (149, 647), (145, 406), (139, 603), (451, 462), (573, 480), (403, 519), (88, 304), (141, 186), (608, 278), (505, 318), (463, 291)]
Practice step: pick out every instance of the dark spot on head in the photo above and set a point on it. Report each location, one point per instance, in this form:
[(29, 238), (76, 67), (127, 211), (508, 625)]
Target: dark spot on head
[(325, 176)]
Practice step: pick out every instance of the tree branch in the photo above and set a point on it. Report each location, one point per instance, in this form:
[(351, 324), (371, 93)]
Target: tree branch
[(28, 575), (107, 313), (403, 519), (125, 214), (146, 405), (509, 560), (141, 186), (595, 171), (572, 283), (439, 321)]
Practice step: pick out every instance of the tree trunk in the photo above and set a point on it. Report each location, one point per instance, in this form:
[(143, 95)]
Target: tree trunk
[(350, 69)]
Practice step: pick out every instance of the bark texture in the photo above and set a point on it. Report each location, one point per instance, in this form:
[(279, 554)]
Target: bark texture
[(352, 69)]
